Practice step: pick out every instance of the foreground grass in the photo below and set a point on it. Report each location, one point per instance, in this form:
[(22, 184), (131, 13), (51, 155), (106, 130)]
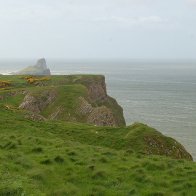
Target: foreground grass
[(56, 158)]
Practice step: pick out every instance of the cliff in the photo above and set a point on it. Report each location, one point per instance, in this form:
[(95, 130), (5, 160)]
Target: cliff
[(75, 99), (40, 68), (84, 99)]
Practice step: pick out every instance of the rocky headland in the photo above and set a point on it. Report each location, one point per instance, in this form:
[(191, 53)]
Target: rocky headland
[(83, 99), (40, 68), (92, 105)]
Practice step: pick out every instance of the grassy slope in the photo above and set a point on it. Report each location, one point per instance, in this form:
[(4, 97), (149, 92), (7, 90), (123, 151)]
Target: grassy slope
[(57, 158)]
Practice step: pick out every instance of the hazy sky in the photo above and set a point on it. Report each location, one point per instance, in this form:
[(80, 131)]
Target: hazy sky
[(98, 29)]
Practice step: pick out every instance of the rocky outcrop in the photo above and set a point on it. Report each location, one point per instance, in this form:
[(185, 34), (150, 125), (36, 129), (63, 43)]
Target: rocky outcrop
[(96, 86), (39, 69), (37, 103), (92, 106), (100, 116), (101, 109), (149, 141), (160, 146), (30, 103), (35, 117)]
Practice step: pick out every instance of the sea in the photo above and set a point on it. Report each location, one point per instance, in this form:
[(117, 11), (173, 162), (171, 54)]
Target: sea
[(159, 93)]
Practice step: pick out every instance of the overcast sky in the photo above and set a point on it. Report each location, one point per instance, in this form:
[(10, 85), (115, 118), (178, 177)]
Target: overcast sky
[(105, 29)]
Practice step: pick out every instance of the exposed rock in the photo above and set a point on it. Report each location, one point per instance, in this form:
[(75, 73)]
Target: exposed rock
[(149, 141), (100, 116), (41, 64), (97, 97), (96, 88), (39, 69), (35, 117), (157, 145), (56, 114), (84, 108), (30, 103), (37, 103)]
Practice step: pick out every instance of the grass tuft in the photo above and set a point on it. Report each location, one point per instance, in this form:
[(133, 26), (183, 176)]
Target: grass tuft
[(59, 159)]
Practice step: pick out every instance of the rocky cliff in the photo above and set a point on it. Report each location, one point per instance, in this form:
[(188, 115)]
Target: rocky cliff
[(79, 100), (39, 69), (76, 99)]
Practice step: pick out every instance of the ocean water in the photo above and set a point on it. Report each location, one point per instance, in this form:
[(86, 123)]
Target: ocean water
[(160, 94)]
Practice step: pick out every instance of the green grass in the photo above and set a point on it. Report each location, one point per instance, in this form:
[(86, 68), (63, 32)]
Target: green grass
[(70, 93), (64, 158), (56, 158)]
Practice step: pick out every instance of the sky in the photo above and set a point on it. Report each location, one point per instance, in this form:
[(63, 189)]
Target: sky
[(98, 29)]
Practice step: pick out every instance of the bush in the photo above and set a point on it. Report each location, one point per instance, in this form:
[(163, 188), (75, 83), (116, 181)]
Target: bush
[(36, 80), (4, 84)]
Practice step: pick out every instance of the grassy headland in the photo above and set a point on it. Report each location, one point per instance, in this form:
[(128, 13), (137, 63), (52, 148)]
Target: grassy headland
[(58, 157)]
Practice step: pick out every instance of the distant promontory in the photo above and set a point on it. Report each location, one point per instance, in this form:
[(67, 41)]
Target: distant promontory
[(39, 69)]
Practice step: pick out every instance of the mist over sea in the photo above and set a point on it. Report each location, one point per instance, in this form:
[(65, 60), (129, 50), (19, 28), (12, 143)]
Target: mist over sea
[(160, 94)]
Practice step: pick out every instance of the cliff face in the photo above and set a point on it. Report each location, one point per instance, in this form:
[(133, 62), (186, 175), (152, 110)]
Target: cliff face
[(100, 116), (38, 103), (105, 111), (90, 105), (96, 88), (40, 68)]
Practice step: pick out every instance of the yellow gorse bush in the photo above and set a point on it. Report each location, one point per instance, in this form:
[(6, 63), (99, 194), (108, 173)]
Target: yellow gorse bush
[(34, 80), (4, 84)]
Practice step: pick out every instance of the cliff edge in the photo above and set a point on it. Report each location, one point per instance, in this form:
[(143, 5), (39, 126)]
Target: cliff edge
[(76, 99)]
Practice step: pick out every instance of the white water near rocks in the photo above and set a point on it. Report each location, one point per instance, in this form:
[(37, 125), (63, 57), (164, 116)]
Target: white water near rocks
[(162, 95)]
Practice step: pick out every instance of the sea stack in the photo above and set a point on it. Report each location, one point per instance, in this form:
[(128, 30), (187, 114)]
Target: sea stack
[(39, 69)]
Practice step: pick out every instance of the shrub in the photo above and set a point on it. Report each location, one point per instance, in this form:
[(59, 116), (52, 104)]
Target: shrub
[(36, 80), (4, 84)]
